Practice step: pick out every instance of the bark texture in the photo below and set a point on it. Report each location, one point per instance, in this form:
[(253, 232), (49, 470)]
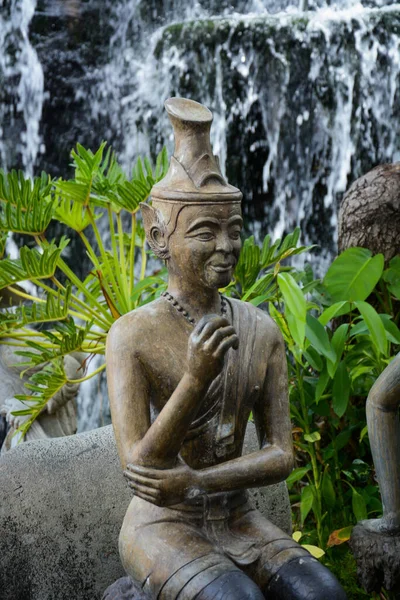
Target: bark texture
[(378, 559), (369, 215)]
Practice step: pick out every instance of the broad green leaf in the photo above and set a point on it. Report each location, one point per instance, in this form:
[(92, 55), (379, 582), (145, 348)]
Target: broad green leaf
[(306, 502), (314, 359), (392, 276), (338, 342), (335, 310), (353, 275), (328, 491), (375, 326), (297, 329), (359, 506), (363, 433), (392, 331), (313, 437), (293, 296), (317, 335), (297, 535), (296, 475), (321, 385), (340, 536), (315, 551), (341, 390)]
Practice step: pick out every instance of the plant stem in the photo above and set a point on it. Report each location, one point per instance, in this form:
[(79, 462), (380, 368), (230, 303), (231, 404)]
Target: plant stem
[(101, 368), (109, 271), (132, 259)]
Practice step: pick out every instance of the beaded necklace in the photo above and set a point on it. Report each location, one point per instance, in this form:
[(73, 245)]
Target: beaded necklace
[(172, 300)]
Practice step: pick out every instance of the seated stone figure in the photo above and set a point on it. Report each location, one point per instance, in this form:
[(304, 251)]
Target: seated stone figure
[(184, 373)]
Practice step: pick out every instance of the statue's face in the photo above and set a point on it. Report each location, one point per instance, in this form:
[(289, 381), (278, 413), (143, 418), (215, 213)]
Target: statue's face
[(205, 245)]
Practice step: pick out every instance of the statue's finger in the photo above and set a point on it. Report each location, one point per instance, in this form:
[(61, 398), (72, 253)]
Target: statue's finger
[(218, 336), (153, 483), (143, 489), (230, 342), (146, 471), (211, 326), (146, 497)]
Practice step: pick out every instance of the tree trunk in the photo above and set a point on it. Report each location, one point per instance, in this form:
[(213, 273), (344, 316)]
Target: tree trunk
[(369, 215)]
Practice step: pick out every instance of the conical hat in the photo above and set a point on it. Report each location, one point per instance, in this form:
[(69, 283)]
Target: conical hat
[(194, 175)]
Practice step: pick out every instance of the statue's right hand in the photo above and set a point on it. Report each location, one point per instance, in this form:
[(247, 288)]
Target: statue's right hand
[(209, 342)]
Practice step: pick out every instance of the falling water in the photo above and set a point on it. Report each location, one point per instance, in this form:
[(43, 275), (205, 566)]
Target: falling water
[(22, 87), (303, 102)]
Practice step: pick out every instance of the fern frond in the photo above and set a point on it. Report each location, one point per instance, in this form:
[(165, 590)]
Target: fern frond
[(31, 265), (43, 385), (26, 205), (66, 340)]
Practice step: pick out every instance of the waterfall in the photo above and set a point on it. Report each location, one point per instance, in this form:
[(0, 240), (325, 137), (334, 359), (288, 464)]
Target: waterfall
[(22, 83), (303, 102)]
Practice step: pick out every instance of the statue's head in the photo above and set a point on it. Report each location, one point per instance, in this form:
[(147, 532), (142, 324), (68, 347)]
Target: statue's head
[(195, 219)]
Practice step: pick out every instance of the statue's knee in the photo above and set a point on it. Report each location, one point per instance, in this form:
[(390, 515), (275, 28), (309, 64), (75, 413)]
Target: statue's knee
[(304, 579), (233, 585)]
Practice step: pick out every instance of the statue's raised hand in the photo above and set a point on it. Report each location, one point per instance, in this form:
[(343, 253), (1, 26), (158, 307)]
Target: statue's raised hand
[(209, 342)]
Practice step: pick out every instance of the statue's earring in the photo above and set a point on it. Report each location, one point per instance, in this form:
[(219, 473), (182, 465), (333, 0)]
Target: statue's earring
[(155, 231)]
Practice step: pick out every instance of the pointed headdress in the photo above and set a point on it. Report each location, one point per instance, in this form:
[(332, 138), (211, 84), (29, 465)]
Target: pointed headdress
[(194, 175)]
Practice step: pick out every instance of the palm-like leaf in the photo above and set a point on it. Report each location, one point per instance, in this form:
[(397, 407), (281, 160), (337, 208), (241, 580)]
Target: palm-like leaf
[(43, 386), (26, 206), (31, 265), (64, 339)]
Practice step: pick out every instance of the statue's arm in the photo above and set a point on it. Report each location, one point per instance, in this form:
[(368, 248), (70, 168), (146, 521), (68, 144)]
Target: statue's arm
[(158, 444), (384, 434), (274, 461)]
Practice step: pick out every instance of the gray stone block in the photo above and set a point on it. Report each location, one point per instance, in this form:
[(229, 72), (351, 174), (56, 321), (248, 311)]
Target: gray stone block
[(62, 502)]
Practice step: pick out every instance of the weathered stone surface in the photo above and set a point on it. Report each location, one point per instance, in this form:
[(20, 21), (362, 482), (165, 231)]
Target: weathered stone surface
[(378, 559), (62, 502), (124, 589), (369, 215)]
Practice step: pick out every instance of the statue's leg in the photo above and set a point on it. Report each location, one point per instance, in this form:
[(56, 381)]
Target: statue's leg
[(284, 570), (232, 585), (304, 579), (170, 557)]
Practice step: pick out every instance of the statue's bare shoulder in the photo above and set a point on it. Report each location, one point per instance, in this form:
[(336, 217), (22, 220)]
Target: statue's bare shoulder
[(138, 329)]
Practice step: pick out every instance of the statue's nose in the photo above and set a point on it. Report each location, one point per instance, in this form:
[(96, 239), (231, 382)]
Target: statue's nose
[(224, 244)]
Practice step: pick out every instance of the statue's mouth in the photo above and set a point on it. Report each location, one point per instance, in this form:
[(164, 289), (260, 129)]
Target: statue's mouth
[(222, 268)]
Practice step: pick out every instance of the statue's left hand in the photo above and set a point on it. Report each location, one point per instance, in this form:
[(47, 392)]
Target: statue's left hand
[(163, 487)]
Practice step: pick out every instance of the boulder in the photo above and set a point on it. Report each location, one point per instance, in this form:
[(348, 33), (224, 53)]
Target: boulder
[(62, 502)]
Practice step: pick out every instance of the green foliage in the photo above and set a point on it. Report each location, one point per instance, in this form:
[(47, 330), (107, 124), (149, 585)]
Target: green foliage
[(340, 333), (80, 312)]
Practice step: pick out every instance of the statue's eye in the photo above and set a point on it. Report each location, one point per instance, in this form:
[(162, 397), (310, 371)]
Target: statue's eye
[(204, 236), (234, 234)]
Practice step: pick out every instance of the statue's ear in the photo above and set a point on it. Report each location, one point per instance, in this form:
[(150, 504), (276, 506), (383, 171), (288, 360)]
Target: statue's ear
[(155, 231)]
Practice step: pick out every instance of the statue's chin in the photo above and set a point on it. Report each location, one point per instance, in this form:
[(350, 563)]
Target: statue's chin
[(218, 280), (388, 525)]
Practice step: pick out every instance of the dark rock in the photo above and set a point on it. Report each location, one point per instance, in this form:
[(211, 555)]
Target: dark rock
[(378, 559)]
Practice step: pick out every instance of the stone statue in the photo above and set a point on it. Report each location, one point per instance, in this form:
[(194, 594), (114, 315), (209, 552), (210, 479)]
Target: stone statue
[(184, 373), (376, 542), (59, 418)]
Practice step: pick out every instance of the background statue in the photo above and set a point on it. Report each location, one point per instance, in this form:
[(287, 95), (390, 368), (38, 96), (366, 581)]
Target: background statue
[(376, 542), (184, 373)]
